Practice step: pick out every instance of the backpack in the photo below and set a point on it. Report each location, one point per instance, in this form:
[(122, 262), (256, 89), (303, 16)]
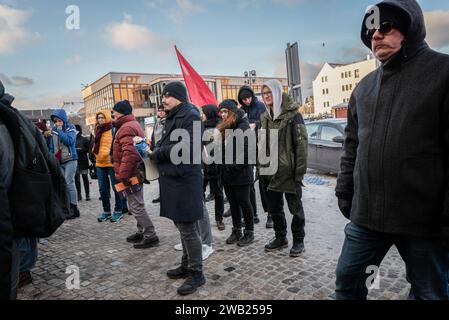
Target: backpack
[(38, 197)]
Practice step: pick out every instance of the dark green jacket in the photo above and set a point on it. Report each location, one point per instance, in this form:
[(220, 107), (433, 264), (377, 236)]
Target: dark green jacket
[(292, 147)]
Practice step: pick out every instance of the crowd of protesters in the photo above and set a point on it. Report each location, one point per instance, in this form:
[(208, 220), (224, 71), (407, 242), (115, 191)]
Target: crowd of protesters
[(401, 202)]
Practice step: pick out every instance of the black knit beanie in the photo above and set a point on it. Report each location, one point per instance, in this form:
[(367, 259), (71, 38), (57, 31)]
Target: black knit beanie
[(230, 105), (177, 90), (124, 107)]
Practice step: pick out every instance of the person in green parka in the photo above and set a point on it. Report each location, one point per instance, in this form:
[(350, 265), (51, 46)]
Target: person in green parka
[(282, 114)]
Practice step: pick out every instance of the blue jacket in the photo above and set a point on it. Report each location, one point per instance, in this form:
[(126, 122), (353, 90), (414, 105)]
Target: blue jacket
[(255, 110), (67, 133)]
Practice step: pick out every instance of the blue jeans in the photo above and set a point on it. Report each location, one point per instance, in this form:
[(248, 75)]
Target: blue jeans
[(105, 177), (68, 170), (15, 268), (426, 261), (28, 253)]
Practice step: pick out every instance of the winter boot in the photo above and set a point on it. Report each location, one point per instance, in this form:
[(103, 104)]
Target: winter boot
[(147, 243), (135, 238), (297, 248), (276, 244), (193, 282), (74, 212), (247, 239), (270, 223), (178, 273), (235, 236)]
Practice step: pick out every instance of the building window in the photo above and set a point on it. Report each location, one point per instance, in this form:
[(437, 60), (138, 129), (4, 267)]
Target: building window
[(350, 74), (343, 88), (357, 73), (342, 75)]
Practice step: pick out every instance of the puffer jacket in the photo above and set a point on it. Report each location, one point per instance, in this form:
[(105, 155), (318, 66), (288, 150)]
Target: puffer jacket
[(103, 158), (395, 164), (126, 157), (292, 142)]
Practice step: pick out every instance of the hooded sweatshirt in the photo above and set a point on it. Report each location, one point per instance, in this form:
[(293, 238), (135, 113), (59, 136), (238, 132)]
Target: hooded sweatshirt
[(292, 140), (63, 139), (395, 161)]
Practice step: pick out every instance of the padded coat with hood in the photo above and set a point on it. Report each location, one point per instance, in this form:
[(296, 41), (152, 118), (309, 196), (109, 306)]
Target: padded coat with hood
[(67, 135), (292, 141), (103, 158), (396, 157), (255, 110)]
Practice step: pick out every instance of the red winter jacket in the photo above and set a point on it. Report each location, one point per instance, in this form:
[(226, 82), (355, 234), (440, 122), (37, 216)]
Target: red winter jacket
[(125, 155)]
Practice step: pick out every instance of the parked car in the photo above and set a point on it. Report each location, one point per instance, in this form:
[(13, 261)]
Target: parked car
[(326, 138)]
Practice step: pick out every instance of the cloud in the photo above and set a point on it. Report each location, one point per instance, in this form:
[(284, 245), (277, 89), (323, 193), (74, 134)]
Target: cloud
[(176, 11), (309, 71), (24, 102), (73, 61), (437, 24), (16, 81), (128, 36), (353, 54), (12, 31)]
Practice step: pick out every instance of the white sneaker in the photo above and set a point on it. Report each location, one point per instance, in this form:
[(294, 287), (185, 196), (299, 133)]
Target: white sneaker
[(207, 251), (178, 247)]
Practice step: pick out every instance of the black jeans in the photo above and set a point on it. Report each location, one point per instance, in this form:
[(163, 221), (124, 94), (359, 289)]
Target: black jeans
[(192, 246), (263, 194), (276, 209), (85, 182), (216, 188), (239, 201), (252, 197)]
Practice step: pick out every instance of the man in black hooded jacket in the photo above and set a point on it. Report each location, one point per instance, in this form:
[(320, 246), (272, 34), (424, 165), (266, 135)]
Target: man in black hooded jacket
[(393, 184), (254, 110)]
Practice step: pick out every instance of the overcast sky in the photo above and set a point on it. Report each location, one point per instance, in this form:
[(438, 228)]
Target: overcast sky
[(42, 63)]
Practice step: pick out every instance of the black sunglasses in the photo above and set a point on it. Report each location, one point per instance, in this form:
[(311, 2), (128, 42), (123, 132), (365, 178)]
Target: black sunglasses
[(385, 27)]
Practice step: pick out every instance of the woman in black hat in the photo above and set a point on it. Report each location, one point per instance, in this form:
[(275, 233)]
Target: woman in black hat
[(237, 178)]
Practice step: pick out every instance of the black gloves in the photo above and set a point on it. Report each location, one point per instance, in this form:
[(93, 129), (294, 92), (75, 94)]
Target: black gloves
[(345, 207)]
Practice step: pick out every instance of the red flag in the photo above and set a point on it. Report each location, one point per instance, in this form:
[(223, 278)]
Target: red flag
[(199, 92)]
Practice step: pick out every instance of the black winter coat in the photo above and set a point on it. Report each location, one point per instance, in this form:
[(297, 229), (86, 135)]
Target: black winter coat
[(396, 157), (6, 226), (237, 174), (82, 149), (211, 171), (181, 186), (255, 110)]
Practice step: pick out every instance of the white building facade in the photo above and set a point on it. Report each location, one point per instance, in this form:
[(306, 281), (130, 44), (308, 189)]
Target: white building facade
[(336, 82)]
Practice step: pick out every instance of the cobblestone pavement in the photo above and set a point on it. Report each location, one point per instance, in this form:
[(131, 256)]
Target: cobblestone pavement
[(111, 269)]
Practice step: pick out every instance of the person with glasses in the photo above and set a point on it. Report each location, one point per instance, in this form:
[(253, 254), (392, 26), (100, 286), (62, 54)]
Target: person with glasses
[(283, 116), (102, 144), (393, 185)]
